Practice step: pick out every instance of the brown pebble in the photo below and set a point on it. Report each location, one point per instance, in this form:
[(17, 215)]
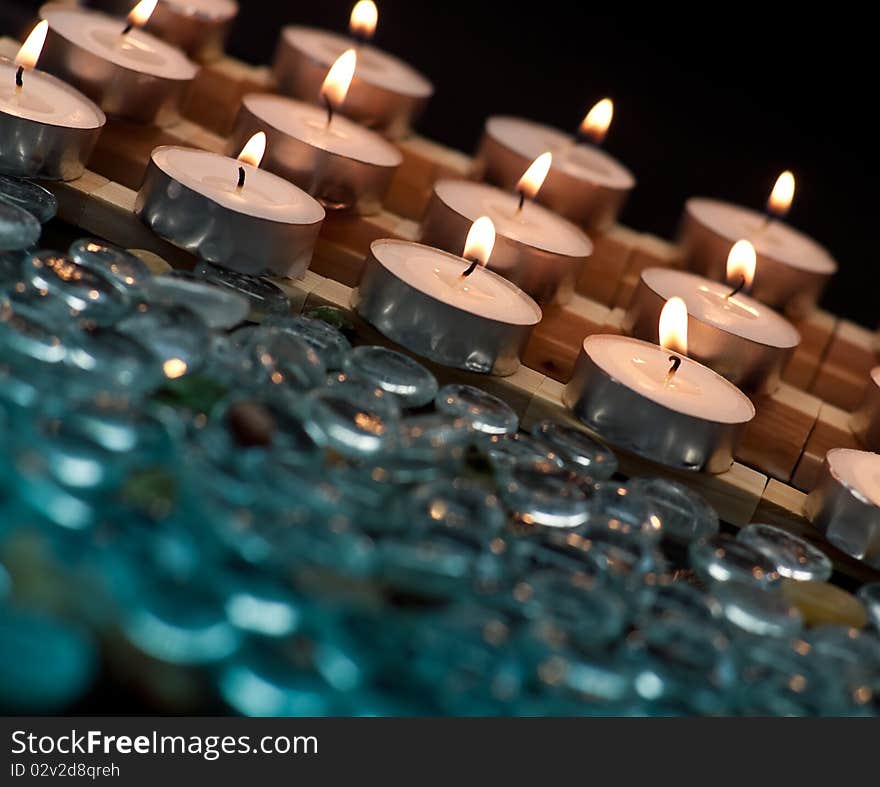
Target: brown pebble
[(251, 424)]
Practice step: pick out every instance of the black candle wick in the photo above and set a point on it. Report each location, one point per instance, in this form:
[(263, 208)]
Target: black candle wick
[(19, 77), (676, 362), (329, 107), (471, 269), (735, 290), (522, 200), (128, 28)]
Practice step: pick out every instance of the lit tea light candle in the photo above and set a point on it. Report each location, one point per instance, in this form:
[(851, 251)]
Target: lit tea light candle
[(865, 422), (47, 129), (585, 184), (386, 95), (731, 333), (228, 211), (450, 309), (535, 248), (792, 268), (126, 71), (198, 27), (845, 503), (657, 402), (341, 164)]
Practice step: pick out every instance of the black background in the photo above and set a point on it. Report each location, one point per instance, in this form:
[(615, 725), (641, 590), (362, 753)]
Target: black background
[(710, 99)]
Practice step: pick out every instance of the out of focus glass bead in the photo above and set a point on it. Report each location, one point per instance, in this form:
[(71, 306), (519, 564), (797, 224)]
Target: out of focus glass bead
[(869, 595), (66, 286), (758, 610), (393, 372), (261, 607), (46, 664), (27, 195), (823, 603), (793, 557), (508, 450), (107, 360), (848, 647), (680, 600), (218, 307), (457, 504), (280, 359), (619, 507), (686, 516), (352, 416), (723, 559), (543, 494), (5, 583), (576, 447), (26, 336), (264, 298), (561, 551), (175, 335), (111, 261), (10, 268), (486, 413), (18, 228), (326, 340), (421, 448)]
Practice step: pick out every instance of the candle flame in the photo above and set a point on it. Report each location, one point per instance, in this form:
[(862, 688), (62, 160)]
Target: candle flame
[(30, 51), (674, 326), (338, 79), (595, 125), (741, 264), (364, 17), (141, 13), (480, 240), (782, 195), (533, 178), (254, 149)]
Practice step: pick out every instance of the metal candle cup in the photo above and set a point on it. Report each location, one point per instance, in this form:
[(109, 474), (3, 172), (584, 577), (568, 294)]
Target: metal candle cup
[(585, 185), (148, 89), (34, 148), (396, 299), (792, 269), (844, 505), (226, 234), (386, 94), (535, 249), (865, 422), (344, 166), (701, 438), (740, 339)]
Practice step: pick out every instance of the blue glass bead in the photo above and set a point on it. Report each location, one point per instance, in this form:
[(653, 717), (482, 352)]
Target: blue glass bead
[(29, 196), (10, 268), (106, 360), (621, 508), (847, 647), (686, 515), (543, 495), (5, 583), (175, 335), (723, 559), (18, 228), (393, 372), (67, 287), (869, 595), (793, 557), (285, 361), (323, 338), (111, 261), (508, 450), (561, 551), (46, 664), (457, 504), (218, 307), (424, 447), (26, 335), (486, 413), (757, 610), (577, 448), (264, 298), (680, 600), (261, 607), (352, 416)]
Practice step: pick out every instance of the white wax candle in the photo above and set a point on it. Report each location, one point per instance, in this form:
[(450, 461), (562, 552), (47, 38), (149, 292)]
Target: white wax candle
[(45, 100), (584, 162), (264, 195), (533, 226), (308, 124), (373, 67), (439, 274), (693, 390), (102, 36), (859, 470), (775, 239), (706, 302), (207, 9)]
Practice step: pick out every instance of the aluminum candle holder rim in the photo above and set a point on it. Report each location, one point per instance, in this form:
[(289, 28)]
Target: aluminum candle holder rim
[(101, 115), (538, 314), (137, 73), (791, 260), (266, 219), (288, 99), (519, 244), (845, 485), (736, 336), (685, 359), (627, 182), (429, 86)]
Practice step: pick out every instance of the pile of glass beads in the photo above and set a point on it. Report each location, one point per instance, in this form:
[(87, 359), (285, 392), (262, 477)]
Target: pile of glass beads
[(210, 505)]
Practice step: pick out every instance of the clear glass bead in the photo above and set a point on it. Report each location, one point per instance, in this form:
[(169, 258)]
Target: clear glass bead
[(686, 515), (723, 559), (326, 340), (393, 372), (576, 447), (543, 494), (793, 557), (486, 413), (18, 228), (757, 610), (29, 196), (264, 297), (112, 261), (218, 307)]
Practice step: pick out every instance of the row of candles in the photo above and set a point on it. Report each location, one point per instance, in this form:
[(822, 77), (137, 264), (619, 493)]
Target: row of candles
[(468, 295)]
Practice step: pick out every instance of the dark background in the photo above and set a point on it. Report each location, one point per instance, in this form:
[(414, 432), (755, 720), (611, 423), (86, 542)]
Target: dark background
[(714, 101)]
